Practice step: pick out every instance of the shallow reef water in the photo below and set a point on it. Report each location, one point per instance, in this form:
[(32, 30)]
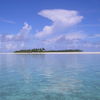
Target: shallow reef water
[(50, 77)]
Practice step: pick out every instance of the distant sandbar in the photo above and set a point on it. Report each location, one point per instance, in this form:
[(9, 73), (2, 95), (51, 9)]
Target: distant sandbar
[(56, 53)]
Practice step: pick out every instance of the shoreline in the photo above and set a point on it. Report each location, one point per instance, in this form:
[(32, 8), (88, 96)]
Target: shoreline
[(55, 53)]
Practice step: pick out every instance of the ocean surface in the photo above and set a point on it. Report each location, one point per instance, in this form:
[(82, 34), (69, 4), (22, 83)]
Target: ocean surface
[(50, 77)]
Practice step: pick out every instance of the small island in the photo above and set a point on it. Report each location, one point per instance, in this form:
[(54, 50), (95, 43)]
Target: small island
[(43, 50)]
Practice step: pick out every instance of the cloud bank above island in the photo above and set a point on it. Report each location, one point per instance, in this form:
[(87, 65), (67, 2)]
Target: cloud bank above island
[(62, 20)]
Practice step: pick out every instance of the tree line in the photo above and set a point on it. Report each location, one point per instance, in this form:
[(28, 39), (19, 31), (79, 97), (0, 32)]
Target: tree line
[(32, 50), (44, 50)]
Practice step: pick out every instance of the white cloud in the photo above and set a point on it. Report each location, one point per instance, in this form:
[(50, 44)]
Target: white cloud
[(16, 41), (24, 32), (26, 28), (61, 19), (10, 46), (21, 35), (74, 40), (53, 40), (75, 36)]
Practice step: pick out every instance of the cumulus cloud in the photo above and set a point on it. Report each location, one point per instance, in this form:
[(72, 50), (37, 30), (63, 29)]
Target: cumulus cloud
[(61, 38), (24, 32), (73, 40), (10, 46), (15, 41), (53, 40), (61, 19), (62, 22), (75, 36), (21, 35)]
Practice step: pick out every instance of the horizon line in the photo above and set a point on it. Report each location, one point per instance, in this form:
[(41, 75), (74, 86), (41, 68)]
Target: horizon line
[(55, 53)]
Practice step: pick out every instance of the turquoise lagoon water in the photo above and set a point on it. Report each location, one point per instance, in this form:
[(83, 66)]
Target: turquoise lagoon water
[(49, 77)]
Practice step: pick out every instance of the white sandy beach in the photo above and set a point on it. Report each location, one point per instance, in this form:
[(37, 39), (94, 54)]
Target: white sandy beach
[(56, 53)]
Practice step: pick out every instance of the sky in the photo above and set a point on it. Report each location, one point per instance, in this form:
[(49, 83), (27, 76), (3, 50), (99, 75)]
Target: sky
[(49, 24)]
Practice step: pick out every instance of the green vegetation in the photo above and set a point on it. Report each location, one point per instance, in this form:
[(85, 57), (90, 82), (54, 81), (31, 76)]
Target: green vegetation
[(43, 50), (31, 50), (70, 50)]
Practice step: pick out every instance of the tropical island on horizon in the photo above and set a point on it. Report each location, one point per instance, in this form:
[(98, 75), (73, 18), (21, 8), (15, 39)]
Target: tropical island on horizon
[(44, 50)]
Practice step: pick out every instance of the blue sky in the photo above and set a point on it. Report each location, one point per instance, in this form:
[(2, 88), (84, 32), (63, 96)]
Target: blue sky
[(52, 24)]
